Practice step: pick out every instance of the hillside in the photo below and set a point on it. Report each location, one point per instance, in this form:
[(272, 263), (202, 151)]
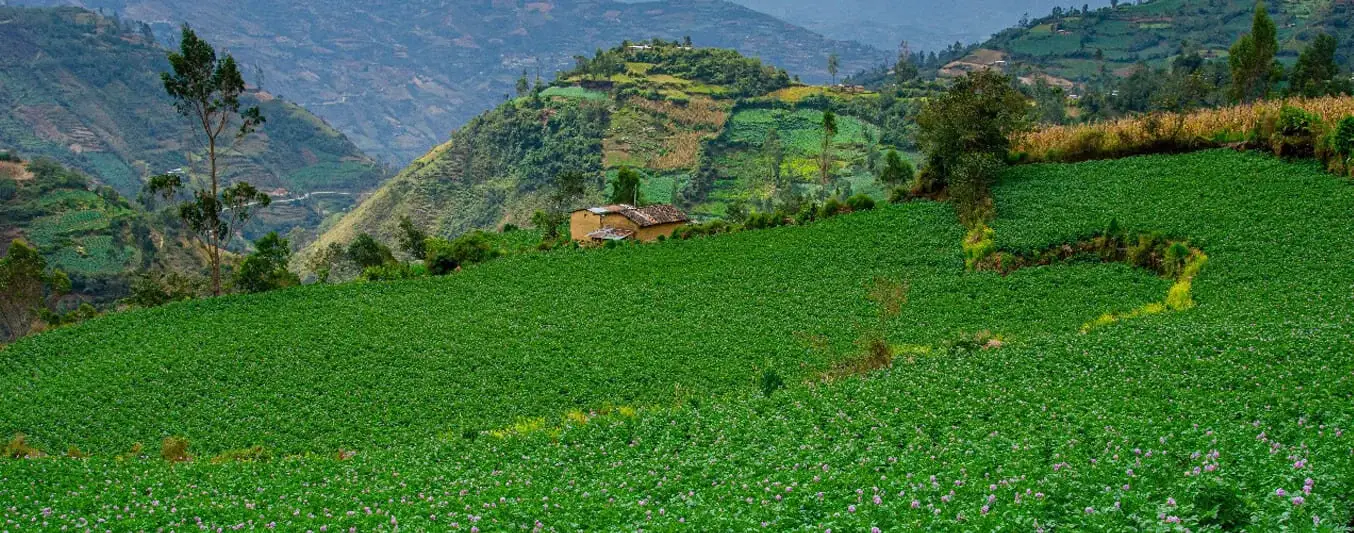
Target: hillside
[(85, 90), (397, 77), (673, 114), (929, 26), (643, 391), (1078, 46), (93, 234)]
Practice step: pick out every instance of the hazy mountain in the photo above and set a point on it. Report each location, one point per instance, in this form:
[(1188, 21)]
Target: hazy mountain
[(85, 90), (398, 77), (925, 24)]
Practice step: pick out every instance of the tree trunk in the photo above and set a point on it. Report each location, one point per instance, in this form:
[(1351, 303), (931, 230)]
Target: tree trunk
[(212, 239)]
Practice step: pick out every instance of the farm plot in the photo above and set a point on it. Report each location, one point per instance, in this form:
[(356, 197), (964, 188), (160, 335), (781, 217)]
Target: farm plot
[(1233, 415)]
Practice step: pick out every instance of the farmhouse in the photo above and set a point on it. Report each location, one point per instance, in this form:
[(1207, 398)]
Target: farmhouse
[(623, 222)]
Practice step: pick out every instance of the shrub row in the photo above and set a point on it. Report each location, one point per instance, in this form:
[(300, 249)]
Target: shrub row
[(806, 214), (1320, 127)]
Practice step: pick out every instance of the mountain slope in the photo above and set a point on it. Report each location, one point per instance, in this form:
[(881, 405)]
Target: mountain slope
[(1078, 47), (667, 112), (397, 77), (85, 90), (93, 234), (925, 25)]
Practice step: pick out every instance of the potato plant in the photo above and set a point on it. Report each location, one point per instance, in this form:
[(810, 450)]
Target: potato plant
[(505, 397)]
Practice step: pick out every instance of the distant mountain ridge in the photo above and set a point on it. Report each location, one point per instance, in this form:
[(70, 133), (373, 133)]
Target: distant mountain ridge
[(398, 77), (925, 24), (85, 89)]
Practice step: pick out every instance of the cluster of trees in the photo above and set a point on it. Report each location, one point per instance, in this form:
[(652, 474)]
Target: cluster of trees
[(368, 259), (716, 66), (966, 136), (30, 292), (1251, 72)]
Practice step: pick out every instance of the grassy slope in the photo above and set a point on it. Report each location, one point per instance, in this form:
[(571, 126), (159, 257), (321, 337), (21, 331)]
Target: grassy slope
[(475, 350), (1049, 426)]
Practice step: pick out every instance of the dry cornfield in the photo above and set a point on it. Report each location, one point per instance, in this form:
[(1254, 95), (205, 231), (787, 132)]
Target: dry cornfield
[(1211, 127)]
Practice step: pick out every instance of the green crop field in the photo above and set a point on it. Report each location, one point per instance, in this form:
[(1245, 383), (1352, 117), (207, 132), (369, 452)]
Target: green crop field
[(47, 230), (98, 254), (622, 389), (801, 131), (574, 92)]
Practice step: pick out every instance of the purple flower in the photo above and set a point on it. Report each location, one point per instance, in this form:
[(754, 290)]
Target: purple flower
[(1280, 492), (850, 508), (1298, 500), (1090, 510), (916, 504), (1170, 502)]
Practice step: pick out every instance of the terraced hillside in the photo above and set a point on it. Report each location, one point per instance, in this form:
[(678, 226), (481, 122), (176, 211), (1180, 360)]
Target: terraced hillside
[(86, 90), (93, 234), (397, 77), (676, 115), (1076, 46), (720, 384)]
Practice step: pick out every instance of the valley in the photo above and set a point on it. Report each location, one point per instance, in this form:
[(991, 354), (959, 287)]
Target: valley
[(680, 282), (397, 78)]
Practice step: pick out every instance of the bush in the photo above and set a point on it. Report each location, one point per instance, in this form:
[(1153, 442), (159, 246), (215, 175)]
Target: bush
[(1295, 133), (367, 253), (765, 220), (1221, 507), (970, 183), (8, 189), (175, 450), (896, 170), (154, 288), (266, 268), (770, 382), (393, 272), (900, 194), (412, 240), (713, 227), (978, 245), (444, 257), (1342, 139), (18, 448), (860, 202), (832, 207)]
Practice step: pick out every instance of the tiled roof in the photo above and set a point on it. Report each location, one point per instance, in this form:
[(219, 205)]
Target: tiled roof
[(655, 215), (611, 234)]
